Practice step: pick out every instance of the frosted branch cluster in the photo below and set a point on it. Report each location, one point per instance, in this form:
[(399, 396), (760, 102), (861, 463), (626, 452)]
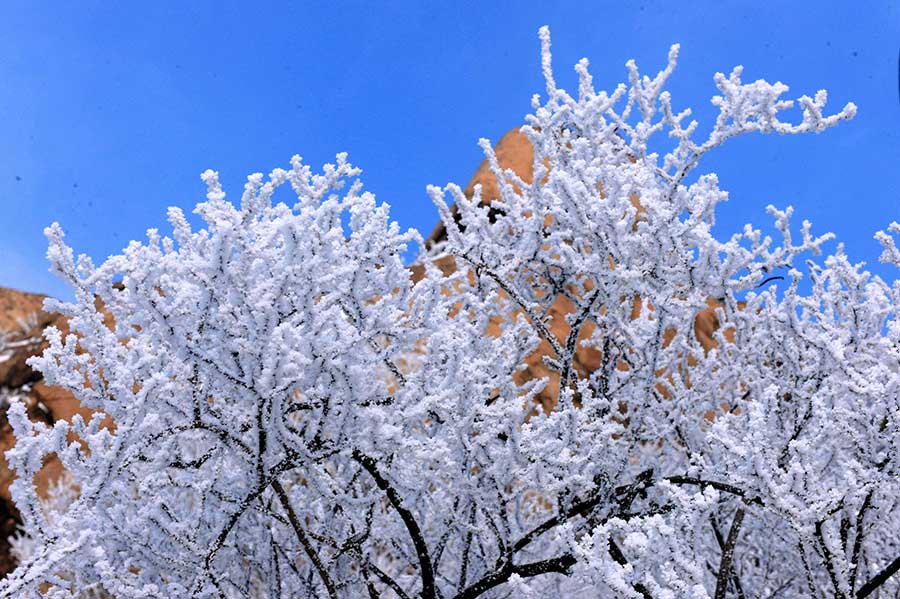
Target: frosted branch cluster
[(282, 411)]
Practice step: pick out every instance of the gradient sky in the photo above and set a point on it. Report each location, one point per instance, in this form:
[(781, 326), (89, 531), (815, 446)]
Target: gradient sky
[(109, 113)]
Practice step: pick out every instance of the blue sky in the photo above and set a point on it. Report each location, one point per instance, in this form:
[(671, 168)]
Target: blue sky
[(108, 113)]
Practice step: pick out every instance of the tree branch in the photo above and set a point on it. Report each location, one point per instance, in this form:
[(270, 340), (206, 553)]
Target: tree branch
[(829, 565), (412, 527), (304, 540), (725, 487), (726, 571), (624, 494), (467, 544), (620, 559), (879, 579), (559, 565), (572, 339), (538, 323), (232, 521), (720, 540), (857, 541), (384, 578)]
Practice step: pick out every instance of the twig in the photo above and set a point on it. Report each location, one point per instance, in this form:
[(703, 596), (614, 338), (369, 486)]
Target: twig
[(559, 565), (879, 579), (726, 571), (620, 559), (412, 527), (829, 565), (721, 542), (304, 540), (857, 542)]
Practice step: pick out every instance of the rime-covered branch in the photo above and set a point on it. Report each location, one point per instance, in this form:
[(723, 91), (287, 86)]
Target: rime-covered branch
[(557, 402)]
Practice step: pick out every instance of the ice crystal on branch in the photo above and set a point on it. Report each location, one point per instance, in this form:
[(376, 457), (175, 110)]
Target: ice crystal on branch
[(295, 416)]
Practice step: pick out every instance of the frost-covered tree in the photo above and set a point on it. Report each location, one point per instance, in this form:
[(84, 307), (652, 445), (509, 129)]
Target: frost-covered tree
[(295, 416)]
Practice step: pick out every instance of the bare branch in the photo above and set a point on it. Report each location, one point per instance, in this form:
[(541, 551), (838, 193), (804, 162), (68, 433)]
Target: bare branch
[(415, 533), (858, 539), (721, 542), (829, 565), (879, 579), (558, 565), (616, 553), (304, 540), (726, 570)]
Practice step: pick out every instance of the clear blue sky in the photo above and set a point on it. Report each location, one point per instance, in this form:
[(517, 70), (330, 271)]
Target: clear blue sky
[(109, 113)]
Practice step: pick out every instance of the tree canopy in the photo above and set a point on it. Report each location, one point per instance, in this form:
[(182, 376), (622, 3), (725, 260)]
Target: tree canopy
[(296, 416)]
